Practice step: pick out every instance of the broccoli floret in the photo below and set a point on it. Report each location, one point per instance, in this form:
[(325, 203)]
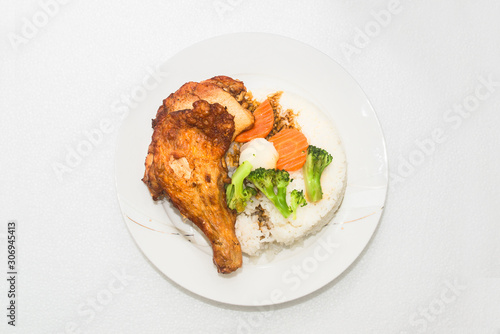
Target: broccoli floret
[(297, 199), (263, 179), (266, 180), (282, 180), (316, 162), (236, 194)]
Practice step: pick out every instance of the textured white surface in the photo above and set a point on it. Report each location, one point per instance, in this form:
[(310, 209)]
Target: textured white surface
[(441, 225)]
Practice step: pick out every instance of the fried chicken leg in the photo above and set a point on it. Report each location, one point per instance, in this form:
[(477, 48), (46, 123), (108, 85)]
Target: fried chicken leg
[(185, 164)]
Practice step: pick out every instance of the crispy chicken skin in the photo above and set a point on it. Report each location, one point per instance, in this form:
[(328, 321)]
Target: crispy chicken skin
[(185, 164), (230, 85), (221, 89)]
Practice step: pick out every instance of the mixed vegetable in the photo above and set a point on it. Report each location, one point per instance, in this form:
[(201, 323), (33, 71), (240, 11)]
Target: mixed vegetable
[(266, 166)]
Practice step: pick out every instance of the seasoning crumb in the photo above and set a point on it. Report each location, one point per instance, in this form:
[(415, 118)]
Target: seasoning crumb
[(283, 119)]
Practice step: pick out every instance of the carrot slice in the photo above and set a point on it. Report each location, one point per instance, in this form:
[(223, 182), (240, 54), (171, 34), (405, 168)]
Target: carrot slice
[(264, 120), (291, 145)]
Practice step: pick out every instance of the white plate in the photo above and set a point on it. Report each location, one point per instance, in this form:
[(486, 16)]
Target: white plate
[(262, 61)]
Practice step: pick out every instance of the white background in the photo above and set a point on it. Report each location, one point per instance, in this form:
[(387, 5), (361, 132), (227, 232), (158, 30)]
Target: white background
[(441, 225)]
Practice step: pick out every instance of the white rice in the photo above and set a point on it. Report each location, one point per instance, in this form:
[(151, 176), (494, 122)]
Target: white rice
[(311, 218)]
